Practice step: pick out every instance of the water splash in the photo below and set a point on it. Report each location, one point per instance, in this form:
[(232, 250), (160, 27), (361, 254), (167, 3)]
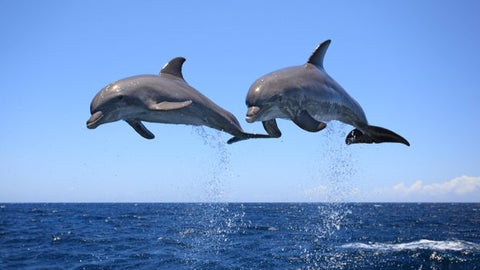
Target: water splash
[(216, 219), (210, 240), (336, 169), (338, 165), (219, 165), (332, 185)]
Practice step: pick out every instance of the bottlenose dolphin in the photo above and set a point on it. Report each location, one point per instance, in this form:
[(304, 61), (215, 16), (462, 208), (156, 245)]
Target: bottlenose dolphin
[(163, 98), (308, 96)]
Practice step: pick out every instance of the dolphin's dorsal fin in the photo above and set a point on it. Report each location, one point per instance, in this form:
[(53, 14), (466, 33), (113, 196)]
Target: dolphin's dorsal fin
[(174, 67), (317, 56)]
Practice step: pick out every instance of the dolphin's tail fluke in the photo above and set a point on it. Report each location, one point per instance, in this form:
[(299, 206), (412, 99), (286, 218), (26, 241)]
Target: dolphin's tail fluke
[(373, 134), (246, 136)]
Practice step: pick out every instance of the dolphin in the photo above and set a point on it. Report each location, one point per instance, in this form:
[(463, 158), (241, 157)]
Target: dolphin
[(163, 98), (308, 96)]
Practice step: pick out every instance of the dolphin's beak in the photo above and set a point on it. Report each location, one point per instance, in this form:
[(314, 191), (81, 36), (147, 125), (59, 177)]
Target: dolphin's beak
[(94, 120), (251, 113)]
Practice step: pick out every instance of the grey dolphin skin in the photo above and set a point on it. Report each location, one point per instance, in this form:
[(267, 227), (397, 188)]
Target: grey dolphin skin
[(164, 98), (308, 96)]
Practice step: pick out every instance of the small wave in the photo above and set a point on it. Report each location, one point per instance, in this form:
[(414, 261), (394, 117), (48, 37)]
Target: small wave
[(262, 228), (453, 245), (187, 232)]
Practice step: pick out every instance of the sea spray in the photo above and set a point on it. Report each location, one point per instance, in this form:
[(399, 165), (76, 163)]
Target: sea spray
[(337, 165), (334, 187), (333, 179), (215, 220), (339, 168), (219, 166), (209, 235)]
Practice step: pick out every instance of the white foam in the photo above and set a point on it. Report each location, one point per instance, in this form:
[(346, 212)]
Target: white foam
[(452, 245)]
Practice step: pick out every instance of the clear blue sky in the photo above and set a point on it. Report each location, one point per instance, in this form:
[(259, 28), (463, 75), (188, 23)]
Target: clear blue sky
[(412, 65)]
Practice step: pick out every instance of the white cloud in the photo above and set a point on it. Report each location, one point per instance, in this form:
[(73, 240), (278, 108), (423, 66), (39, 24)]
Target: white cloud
[(463, 188), (460, 185), (460, 189)]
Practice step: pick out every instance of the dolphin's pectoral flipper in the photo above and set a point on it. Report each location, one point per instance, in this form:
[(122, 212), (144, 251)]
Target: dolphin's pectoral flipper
[(272, 129), (306, 122), (140, 128), (373, 134), (168, 105)]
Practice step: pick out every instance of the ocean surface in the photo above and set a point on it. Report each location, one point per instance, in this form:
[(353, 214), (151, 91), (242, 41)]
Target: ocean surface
[(240, 236)]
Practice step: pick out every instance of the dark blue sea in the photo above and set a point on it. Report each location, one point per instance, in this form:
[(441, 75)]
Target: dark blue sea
[(240, 236)]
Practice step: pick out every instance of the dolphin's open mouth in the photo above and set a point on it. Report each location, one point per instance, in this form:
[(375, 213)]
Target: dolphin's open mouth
[(94, 120), (251, 114)]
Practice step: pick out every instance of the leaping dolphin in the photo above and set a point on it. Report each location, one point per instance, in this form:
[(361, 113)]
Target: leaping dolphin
[(308, 96), (163, 98)]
